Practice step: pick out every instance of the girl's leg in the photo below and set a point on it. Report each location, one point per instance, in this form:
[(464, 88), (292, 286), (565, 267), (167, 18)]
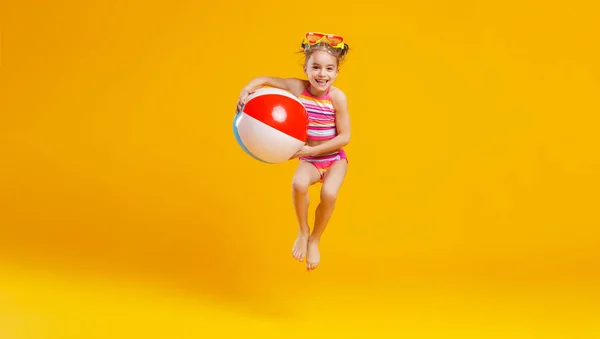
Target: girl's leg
[(331, 185), (306, 175)]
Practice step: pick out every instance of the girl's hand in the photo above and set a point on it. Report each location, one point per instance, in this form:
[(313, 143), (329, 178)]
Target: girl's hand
[(243, 96), (305, 151)]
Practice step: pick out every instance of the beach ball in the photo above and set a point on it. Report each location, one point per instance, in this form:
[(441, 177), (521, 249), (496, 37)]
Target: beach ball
[(272, 125)]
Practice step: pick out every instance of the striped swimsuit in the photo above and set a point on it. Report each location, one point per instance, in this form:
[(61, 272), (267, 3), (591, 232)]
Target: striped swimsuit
[(321, 126)]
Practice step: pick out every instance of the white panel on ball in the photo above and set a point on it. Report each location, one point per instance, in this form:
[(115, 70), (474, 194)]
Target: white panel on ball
[(266, 142)]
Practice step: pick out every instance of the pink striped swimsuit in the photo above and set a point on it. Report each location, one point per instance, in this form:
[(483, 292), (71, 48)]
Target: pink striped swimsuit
[(321, 126)]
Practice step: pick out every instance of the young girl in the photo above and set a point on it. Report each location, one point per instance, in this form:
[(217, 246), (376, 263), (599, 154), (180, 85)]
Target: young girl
[(322, 158)]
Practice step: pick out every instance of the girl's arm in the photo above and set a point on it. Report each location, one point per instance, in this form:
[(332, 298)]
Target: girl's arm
[(294, 85)]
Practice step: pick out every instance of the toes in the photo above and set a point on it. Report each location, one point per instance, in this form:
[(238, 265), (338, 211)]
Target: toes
[(298, 255)]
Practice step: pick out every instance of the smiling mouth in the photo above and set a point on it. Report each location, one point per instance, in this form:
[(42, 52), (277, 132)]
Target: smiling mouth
[(322, 82)]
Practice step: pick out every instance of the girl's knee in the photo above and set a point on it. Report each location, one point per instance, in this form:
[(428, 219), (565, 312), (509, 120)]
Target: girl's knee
[(300, 184), (328, 195)]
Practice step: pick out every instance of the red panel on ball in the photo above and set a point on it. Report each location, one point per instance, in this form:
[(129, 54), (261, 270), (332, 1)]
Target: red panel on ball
[(280, 112)]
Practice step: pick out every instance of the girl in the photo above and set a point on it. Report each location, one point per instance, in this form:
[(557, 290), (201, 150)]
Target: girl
[(322, 158)]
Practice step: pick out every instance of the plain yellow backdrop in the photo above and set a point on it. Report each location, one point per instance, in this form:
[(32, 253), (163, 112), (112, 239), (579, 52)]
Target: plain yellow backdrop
[(470, 208)]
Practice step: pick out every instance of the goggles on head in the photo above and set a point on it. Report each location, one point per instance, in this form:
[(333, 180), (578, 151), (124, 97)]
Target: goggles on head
[(313, 38)]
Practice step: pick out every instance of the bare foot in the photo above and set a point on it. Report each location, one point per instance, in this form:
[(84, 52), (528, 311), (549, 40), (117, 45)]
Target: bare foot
[(313, 257), (299, 249)]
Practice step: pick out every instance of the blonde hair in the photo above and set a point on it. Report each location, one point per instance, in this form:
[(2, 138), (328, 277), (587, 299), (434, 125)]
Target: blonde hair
[(338, 53)]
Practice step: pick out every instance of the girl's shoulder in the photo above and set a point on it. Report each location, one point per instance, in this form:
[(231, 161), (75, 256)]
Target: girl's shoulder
[(299, 86), (337, 95)]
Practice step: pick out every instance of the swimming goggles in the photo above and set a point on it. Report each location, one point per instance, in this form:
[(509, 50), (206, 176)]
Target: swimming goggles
[(313, 38)]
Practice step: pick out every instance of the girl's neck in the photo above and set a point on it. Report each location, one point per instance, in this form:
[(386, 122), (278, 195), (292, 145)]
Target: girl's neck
[(316, 93)]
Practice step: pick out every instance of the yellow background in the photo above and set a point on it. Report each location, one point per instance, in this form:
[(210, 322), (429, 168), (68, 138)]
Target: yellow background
[(470, 209)]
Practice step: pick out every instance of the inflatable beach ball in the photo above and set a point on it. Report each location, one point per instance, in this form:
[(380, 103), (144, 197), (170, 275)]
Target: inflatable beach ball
[(272, 125)]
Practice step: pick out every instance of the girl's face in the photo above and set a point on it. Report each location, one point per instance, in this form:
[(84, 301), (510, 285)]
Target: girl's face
[(321, 69)]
